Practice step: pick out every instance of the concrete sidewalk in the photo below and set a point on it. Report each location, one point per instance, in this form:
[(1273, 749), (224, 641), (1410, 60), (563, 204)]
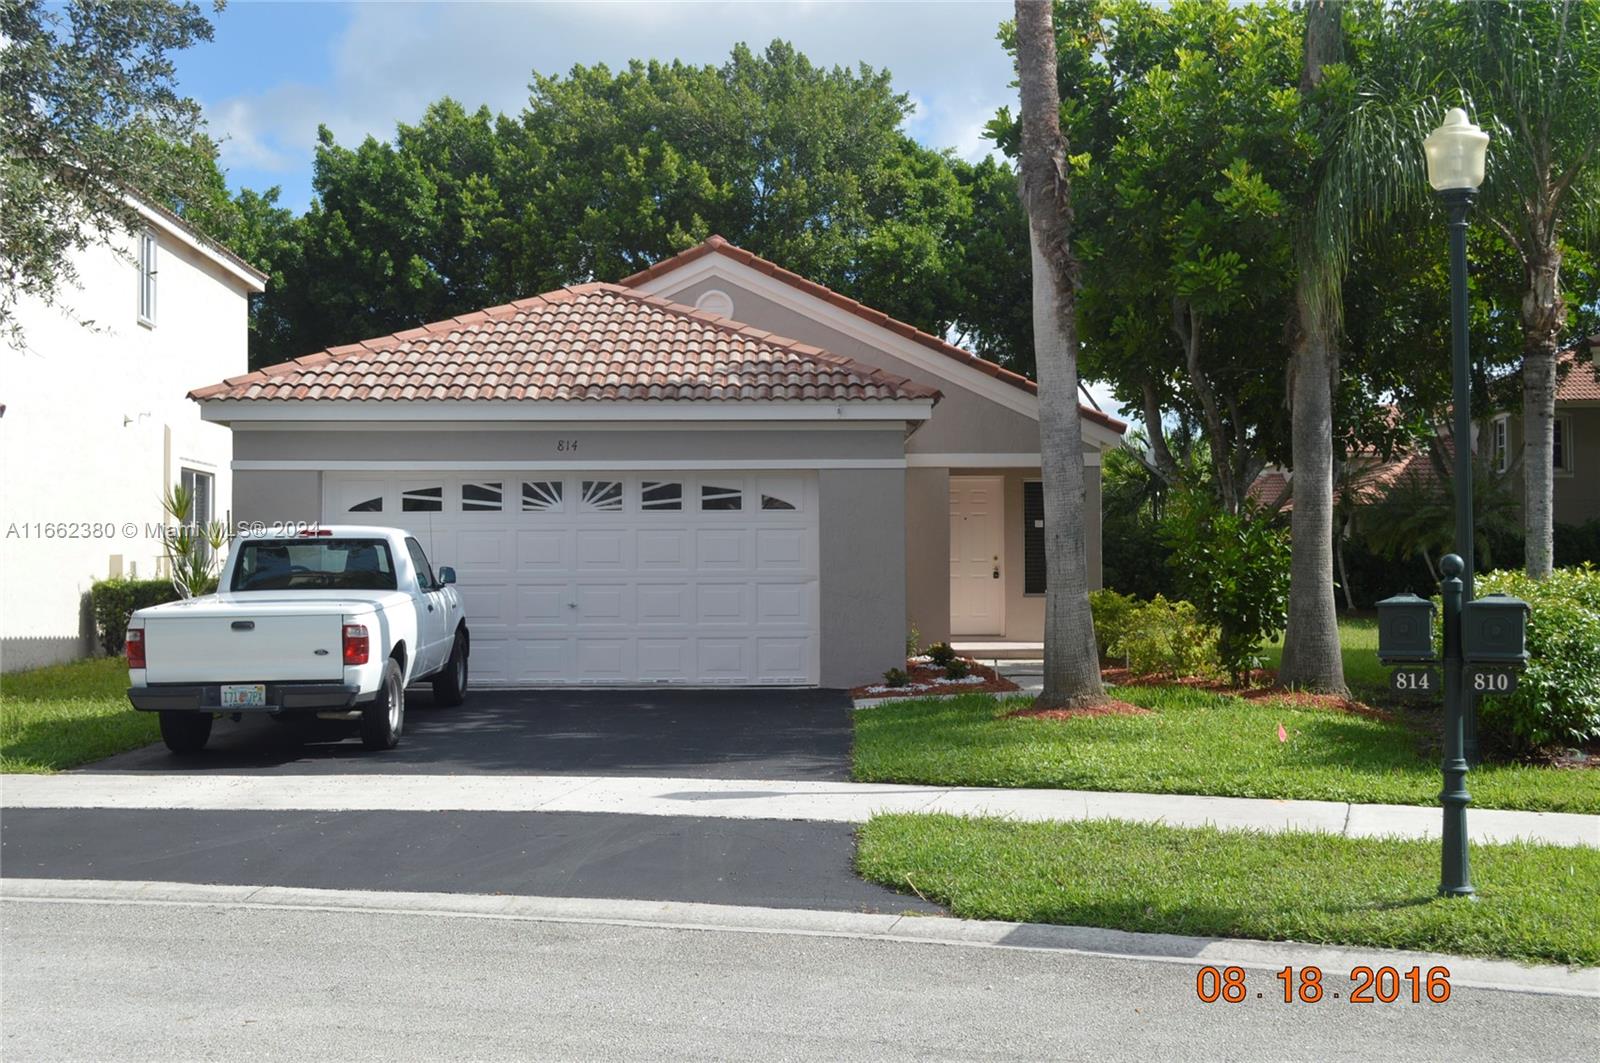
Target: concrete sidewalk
[(838, 802)]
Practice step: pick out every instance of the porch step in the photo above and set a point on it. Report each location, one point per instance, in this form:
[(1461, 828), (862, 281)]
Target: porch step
[(1000, 650)]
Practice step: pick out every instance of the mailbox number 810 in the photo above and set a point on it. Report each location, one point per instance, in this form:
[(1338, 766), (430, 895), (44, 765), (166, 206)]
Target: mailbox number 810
[(1493, 682)]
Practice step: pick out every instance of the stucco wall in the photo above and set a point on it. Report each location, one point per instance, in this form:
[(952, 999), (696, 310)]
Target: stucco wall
[(1577, 492), (928, 553), (277, 497), (963, 421), (588, 446), (96, 424), (861, 539)]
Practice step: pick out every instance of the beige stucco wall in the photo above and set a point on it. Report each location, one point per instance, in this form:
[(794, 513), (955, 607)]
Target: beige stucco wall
[(1577, 491), (963, 421), (928, 554)]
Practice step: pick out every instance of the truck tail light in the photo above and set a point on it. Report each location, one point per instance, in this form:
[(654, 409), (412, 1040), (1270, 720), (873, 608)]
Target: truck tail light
[(135, 647), (355, 644)]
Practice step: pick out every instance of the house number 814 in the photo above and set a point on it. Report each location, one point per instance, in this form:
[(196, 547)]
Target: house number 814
[(565, 446)]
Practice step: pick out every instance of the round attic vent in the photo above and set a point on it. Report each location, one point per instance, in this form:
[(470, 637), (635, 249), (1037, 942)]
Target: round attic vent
[(715, 301)]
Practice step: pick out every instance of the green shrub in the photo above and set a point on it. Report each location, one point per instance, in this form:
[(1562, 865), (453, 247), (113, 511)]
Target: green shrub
[(913, 641), (1166, 637), (1234, 567), (941, 654), (895, 677), (114, 600), (1557, 699), (956, 668), (1111, 612)]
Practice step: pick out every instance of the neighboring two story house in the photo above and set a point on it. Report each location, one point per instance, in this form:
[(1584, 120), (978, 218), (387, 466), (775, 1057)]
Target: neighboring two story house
[(1576, 436), (95, 423)]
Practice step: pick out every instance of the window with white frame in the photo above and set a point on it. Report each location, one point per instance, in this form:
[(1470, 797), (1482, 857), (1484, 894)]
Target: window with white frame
[(147, 278), (201, 488), (1561, 444), (1500, 450)]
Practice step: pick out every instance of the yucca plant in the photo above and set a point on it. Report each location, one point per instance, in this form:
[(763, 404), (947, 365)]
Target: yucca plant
[(190, 550)]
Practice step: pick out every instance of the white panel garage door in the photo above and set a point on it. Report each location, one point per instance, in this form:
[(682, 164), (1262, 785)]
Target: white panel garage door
[(607, 577)]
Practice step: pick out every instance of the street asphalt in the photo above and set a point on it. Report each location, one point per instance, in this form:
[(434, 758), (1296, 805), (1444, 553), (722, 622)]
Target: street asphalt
[(768, 863), (173, 981), (709, 734)]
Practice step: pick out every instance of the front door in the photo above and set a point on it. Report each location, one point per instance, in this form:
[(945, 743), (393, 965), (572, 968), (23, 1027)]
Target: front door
[(977, 586)]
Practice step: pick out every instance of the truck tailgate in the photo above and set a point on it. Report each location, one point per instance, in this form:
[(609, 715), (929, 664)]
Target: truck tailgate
[(243, 648)]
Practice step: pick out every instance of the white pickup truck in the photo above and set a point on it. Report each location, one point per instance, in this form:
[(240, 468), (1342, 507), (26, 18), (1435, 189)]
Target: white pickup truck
[(331, 623)]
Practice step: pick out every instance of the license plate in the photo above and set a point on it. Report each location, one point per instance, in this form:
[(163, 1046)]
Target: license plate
[(244, 696)]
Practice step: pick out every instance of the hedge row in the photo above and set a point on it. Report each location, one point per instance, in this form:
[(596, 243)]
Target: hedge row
[(114, 601)]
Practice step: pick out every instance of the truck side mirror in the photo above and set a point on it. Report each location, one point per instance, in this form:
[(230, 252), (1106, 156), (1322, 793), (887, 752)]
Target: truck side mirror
[(1494, 630), (1405, 629), (447, 575)]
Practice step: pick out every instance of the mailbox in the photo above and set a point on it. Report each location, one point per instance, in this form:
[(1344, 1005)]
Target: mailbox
[(1405, 629), (1494, 630)]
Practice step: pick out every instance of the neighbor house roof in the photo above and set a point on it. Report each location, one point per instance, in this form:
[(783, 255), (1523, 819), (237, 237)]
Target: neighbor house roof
[(1579, 367), (587, 342), (719, 245)]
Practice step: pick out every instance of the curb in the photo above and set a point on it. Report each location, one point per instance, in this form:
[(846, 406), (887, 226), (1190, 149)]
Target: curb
[(1465, 972)]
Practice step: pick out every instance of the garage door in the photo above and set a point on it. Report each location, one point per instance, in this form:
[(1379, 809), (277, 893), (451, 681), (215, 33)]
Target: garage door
[(615, 578)]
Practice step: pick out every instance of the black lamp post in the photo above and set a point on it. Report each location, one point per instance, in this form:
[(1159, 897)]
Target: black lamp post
[(1456, 152)]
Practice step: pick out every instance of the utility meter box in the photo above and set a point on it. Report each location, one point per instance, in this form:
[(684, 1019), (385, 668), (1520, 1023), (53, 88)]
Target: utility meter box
[(1405, 629), (1494, 630)]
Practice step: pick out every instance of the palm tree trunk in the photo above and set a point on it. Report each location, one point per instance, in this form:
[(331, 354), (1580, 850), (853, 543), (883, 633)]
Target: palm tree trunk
[(1071, 663), (1311, 657), (1543, 314)]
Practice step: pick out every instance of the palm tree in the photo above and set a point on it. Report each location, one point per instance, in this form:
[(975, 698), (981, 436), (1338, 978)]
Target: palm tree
[(1311, 653), (1071, 661), (1532, 69)]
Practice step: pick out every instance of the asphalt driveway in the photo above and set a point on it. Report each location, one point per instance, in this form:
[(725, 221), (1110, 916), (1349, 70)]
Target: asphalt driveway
[(707, 734)]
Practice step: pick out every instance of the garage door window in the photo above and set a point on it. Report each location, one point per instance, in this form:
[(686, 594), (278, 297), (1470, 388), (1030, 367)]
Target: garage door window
[(481, 497), (717, 498), (368, 505), (541, 496), (601, 496), (422, 500), (655, 494)]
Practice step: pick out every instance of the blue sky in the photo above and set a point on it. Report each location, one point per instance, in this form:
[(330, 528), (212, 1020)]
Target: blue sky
[(276, 69)]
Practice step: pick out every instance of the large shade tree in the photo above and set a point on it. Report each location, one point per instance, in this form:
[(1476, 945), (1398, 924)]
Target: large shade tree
[(89, 113)]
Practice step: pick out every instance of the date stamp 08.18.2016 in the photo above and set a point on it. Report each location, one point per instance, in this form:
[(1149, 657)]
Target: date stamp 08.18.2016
[(1307, 985)]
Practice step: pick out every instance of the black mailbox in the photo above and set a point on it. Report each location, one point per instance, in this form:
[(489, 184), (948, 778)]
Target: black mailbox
[(1405, 629), (1494, 630)]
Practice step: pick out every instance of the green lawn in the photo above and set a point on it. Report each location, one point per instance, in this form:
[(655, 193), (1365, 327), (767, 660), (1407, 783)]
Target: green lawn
[(1193, 742), (1534, 902), (1358, 641), (69, 714)]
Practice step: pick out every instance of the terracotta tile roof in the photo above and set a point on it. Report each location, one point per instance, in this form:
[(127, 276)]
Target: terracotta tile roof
[(1580, 376), (718, 245), (588, 342)]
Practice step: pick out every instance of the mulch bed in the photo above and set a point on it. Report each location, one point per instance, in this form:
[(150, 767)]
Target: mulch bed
[(1110, 707), (922, 683)]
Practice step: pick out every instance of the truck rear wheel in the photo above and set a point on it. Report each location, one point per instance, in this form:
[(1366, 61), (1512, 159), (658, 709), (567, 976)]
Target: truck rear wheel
[(185, 732), (450, 685), (384, 719)]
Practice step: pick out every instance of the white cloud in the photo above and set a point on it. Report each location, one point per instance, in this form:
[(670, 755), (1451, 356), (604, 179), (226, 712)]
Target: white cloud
[(394, 59)]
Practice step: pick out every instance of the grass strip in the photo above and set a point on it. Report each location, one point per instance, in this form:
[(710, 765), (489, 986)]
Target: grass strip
[(1192, 742), (69, 714), (1535, 902)]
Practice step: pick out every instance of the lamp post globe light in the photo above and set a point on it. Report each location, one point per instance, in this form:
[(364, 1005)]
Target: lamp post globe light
[(1455, 153)]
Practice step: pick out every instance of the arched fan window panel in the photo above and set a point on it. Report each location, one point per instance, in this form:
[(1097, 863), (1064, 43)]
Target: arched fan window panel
[(541, 496), (600, 496)]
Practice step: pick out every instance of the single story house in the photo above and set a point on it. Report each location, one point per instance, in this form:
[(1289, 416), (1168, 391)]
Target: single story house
[(94, 425), (714, 472)]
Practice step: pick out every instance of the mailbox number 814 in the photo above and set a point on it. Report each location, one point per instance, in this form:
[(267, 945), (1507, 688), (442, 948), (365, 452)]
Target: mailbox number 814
[(1420, 680)]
